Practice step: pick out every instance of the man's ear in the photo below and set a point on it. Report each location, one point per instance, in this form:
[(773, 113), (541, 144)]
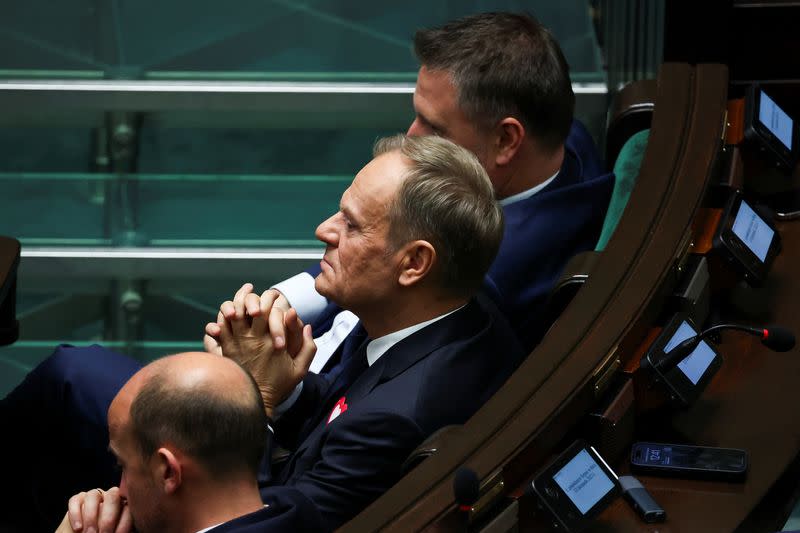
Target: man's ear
[(169, 471), (509, 134), (417, 261)]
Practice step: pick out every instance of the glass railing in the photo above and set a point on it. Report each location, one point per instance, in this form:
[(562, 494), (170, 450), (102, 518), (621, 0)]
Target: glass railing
[(153, 156)]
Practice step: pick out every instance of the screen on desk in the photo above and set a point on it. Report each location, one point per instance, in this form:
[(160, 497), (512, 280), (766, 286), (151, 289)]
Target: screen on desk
[(583, 481), (775, 119), (695, 364), (753, 231)]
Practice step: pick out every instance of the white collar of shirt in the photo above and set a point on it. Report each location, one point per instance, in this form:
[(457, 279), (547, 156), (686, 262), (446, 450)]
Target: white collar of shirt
[(528, 193), (377, 347)]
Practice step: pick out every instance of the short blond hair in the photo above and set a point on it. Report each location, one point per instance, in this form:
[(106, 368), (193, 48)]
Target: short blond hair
[(447, 199)]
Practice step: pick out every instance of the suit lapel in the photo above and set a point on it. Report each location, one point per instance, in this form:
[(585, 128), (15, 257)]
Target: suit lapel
[(416, 347), (401, 356)]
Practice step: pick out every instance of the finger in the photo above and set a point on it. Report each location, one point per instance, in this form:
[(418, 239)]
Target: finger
[(225, 333), (227, 310), (281, 300), (233, 313), (211, 345), (212, 329), (225, 336), (238, 299), (274, 317), (243, 290), (265, 303), (268, 298), (110, 511), (64, 526), (277, 330), (91, 509), (252, 305), (74, 511), (258, 325), (294, 332), (306, 353), (275, 299), (125, 521)]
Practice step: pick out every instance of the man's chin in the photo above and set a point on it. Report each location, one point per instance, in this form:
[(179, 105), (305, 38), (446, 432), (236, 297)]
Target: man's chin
[(324, 289), (321, 286)]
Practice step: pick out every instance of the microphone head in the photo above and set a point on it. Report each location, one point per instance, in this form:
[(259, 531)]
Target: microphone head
[(466, 487), (778, 338)]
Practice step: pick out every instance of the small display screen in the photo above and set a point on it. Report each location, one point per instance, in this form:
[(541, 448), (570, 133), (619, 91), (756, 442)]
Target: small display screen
[(693, 457), (695, 364), (775, 119), (753, 231), (583, 481)]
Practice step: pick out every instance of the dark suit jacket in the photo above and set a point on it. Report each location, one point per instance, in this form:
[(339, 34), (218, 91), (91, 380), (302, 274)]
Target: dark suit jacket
[(541, 234), (287, 511), (437, 376), (544, 231)]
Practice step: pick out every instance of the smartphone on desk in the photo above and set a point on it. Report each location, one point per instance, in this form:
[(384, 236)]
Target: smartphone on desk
[(695, 462)]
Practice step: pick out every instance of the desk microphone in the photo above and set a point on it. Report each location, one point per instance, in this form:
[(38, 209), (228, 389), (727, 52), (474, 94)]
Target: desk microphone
[(776, 338)]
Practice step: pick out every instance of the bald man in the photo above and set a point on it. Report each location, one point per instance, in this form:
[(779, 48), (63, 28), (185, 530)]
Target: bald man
[(188, 432)]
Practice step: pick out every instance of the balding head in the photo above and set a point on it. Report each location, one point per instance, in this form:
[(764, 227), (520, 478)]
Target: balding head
[(191, 371), (204, 405)]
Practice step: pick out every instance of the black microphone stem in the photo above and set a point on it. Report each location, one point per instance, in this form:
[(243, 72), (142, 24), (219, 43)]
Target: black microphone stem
[(687, 346)]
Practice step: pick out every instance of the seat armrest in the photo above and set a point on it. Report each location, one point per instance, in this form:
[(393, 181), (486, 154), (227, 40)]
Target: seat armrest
[(431, 445), (575, 274)]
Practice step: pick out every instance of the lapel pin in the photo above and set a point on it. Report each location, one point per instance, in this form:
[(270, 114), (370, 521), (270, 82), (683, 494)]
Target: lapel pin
[(338, 409)]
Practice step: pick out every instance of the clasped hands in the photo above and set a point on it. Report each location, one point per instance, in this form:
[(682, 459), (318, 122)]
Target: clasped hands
[(99, 511), (267, 338)]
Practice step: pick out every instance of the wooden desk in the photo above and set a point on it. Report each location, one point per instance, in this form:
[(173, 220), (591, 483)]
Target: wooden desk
[(542, 404), (753, 403)]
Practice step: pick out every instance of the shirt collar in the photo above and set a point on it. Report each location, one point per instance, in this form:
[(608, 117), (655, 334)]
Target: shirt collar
[(377, 347), (527, 193)]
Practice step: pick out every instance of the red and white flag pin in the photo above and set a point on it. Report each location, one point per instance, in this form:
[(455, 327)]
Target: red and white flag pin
[(338, 409)]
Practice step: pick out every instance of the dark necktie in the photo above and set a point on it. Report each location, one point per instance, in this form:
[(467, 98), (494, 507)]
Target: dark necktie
[(345, 352), (353, 362)]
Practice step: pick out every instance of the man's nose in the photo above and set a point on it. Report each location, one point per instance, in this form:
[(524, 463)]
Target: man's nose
[(326, 232)]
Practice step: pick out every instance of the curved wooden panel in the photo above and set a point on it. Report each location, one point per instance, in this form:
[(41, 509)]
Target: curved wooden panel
[(519, 427)]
